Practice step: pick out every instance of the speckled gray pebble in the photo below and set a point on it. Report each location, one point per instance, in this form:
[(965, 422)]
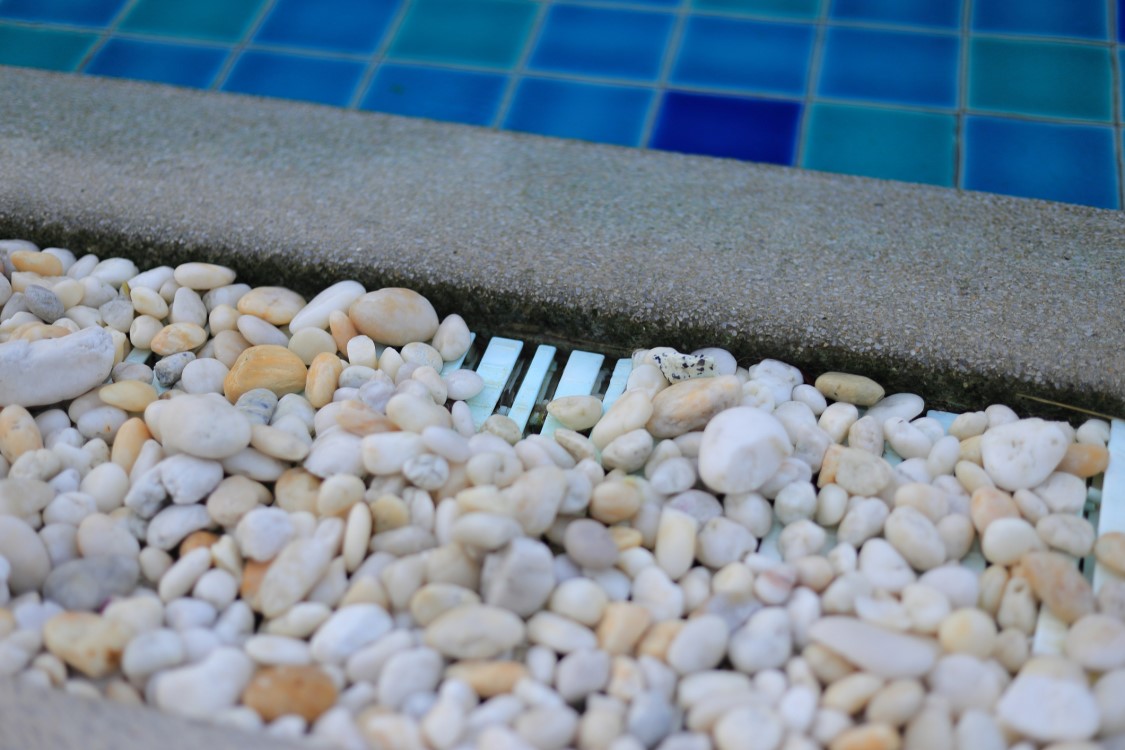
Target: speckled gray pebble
[(87, 583), (169, 369), (258, 404), (43, 303)]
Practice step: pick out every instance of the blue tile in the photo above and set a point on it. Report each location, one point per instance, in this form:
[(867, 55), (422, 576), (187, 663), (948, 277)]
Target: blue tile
[(883, 66), (452, 95), (1070, 163), (1121, 20), (802, 9), (1086, 19), (740, 128), (744, 55), (944, 14), (291, 77), (76, 12), (602, 42), (177, 64), (649, 3), (590, 112), (330, 25)]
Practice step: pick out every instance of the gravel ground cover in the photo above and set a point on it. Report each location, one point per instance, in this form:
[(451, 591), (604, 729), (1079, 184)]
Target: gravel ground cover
[(278, 514)]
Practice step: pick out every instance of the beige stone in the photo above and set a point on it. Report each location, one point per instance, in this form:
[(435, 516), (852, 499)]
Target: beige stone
[(178, 337), (690, 404), (18, 433), (853, 389), (86, 641), (394, 317), (127, 444), (302, 690), (274, 368), (130, 395), (622, 626), (273, 304), (1084, 460), (29, 261), (1059, 584), (488, 678), (322, 379)]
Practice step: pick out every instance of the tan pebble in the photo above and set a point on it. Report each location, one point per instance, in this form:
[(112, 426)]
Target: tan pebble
[(576, 412), (968, 631), (296, 490), (273, 304), (394, 316), (1084, 460), (18, 433), (309, 342), (253, 571), (30, 261), (38, 331), (867, 737), (488, 678), (625, 537), (896, 703), (322, 378), (235, 497), (690, 404), (1110, 551), (306, 691), (130, 395), (969, 450), (825, 664), (86, 641), (277, 443), (989, 503), (658, 638), (388, 513), (503, 427), (178, 337), (228, 345), (622, 626), (853, 389), (203, 276), (615, 501), (360, 419), (1059, 584), (852, 693), (148, 302), (341, 328), (197, 539), (338, 493), (365, 590), (268, 366), (127, 444)]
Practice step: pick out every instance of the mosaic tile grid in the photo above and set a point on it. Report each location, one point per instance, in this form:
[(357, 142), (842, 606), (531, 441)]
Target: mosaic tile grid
[(1023, 98)]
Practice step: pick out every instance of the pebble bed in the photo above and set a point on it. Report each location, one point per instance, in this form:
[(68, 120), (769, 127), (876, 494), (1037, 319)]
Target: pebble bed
[(289, 523)]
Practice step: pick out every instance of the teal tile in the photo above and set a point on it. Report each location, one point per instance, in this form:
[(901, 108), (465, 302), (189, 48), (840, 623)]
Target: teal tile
[(209, 20), (490, 33), (887, 143), (1050, 79), (803, 9), (43, 48)]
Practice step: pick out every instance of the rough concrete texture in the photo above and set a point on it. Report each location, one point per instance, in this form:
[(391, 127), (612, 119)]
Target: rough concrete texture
[(965, 298), (36, 719)]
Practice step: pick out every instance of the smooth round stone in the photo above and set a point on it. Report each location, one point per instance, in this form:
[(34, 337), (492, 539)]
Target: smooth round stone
[(853, 389), (337, 297), (904, 405), (1059, 584), (52, 370), (258, 405), (741, 449), (204, 688), (203, 276), (41, 263), (43, 303), (1049, 709), (148, 302), (394, 316), (1110, 551), (590, 544), (169, 369), (178, 337), (874, 649), (273, 304), (309, 342), (292, 690), (274, 368), (129, 395), (452, 338), (576, 412), (1021, 455), (915, 537), (88, 583), (88, 642), (204, 375), (474, 631), (690, 404), (205, 426), (1097, 642), (25, 553)]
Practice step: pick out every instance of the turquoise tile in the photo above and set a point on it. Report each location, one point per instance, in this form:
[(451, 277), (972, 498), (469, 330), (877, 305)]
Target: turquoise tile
[(887, 143), (933, 13), (1069, 163), (1086, 19), (802, 9), (210, 20), (74, 12), (1040, 78), (47, 49), (490, 33)]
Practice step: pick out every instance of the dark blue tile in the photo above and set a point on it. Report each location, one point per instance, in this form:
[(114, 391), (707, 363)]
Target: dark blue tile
[(590, 112), (1070, 163), (331, 25), (76, 12), (885, 66), (291, 77), (1086, 19), (177, 64), (943, 14), (602, 42), (649, 3), (753, 129), (1121, 20), (744, 55), (452, 95)]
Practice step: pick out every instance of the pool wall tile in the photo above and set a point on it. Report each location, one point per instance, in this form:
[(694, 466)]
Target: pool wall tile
[(799, 9), (892, 67), (176, 64), (291, 77), (438, 94), (1086, 19), (75, 12), (1041, 78), (607, 42), (489, 33), (744, 55), (47, 49), (354, 26), (200, 20), (945, 14), (590, 112), (735, 127)]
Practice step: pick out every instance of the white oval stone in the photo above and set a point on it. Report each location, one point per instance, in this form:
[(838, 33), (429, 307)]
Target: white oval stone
[(742, 448), (1020, 455), (877, 650), (205, 425), (51, 370)]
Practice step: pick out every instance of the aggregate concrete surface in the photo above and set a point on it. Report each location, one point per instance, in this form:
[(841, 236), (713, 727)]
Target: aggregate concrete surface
[(966, 298)]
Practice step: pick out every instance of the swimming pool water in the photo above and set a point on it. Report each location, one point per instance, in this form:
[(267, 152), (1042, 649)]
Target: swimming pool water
[(1010, 96)]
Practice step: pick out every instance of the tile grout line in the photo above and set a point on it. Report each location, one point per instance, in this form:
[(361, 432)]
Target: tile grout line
[(516, 72), (109, 30), (671, 52), (962, 95), (379, 55), (812, 81), (236, 50)]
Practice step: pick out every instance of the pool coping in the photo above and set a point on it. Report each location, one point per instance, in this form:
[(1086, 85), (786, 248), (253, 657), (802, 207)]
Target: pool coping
[(966, 298)]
